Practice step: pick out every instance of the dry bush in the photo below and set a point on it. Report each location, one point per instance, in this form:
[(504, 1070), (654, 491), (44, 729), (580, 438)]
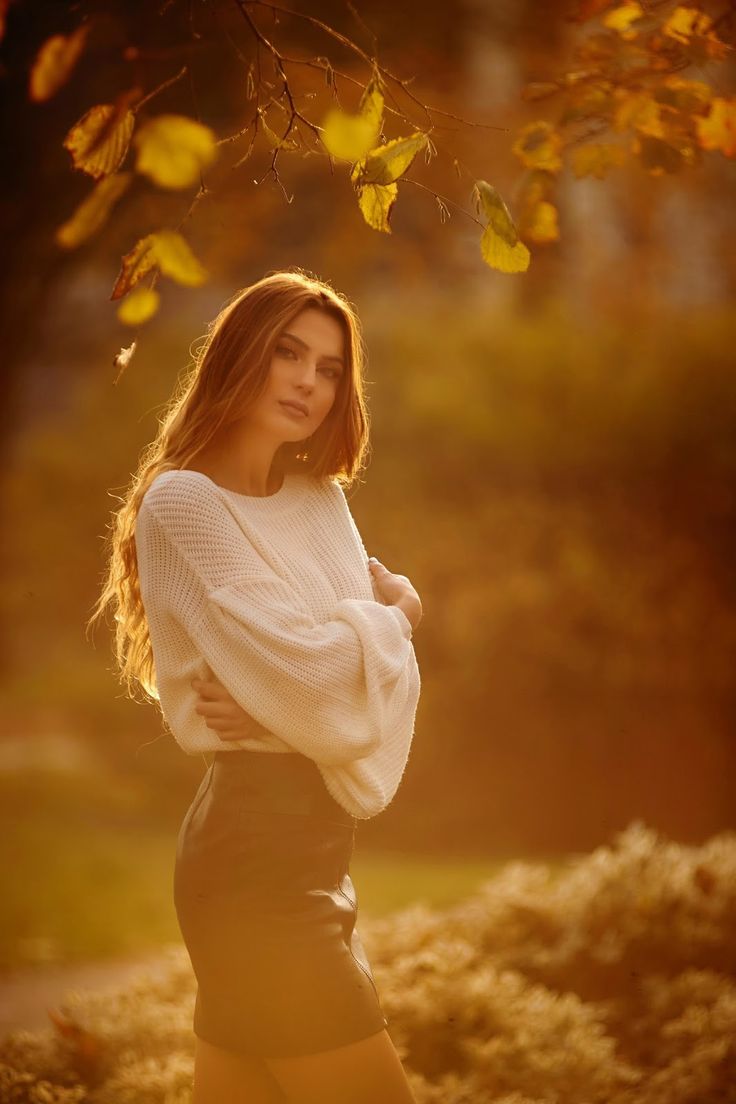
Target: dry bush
[(611, 983)]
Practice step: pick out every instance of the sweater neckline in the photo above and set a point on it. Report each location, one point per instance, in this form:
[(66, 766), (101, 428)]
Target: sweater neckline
[(291, 491)]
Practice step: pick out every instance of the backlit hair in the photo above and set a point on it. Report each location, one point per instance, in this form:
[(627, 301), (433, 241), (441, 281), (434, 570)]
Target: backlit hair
[(229, 372)]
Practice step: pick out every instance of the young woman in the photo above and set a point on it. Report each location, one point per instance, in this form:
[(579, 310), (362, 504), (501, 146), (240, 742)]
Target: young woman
[(247, 608)]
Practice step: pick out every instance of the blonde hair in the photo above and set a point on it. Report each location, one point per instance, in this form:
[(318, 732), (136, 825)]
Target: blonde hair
[(229, 372)]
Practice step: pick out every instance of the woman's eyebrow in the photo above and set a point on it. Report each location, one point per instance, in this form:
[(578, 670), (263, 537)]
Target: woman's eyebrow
[(305, 346)]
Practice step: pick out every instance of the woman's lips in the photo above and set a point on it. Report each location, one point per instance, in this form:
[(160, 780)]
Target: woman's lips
[(296, 411)]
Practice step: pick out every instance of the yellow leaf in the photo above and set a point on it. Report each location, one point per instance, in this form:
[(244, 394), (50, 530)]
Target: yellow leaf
[(166, 250), (717, 131), (621, 18), (175, 259), (350, 137), (499, 244), (639, 111), (536, 186), (92, 212), (99, 142), (54, 62), (540, 223), (596, 158), (538, 146), (174, 149), (385, 164), (692, 29), (686, 22), (376, 203), (499, 254), (493, 207), (139, 306)]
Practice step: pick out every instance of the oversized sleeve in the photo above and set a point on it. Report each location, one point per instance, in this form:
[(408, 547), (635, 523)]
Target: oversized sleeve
[(334, 691)]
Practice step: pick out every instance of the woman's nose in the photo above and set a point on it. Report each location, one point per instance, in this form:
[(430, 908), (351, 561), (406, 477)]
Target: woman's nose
[(307, 376)]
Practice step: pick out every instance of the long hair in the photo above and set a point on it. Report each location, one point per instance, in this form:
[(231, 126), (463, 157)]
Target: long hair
[(229, 372)]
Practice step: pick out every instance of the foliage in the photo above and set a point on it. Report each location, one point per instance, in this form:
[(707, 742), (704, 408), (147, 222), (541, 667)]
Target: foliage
[(611, 984), (626, 100), (623, 99)]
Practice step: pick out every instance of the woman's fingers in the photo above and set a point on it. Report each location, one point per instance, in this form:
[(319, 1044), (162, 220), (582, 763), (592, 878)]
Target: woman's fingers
[(217, 709), (221, 712), (211, 689)]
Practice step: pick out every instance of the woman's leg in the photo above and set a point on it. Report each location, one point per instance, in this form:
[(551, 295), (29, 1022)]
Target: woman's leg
[(221, 1077), (365, 1072)]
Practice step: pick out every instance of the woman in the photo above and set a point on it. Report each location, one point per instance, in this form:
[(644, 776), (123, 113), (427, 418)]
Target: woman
[(246, 606)]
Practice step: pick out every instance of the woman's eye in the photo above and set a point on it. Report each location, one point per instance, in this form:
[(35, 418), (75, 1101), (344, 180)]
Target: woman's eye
[(284, 349)]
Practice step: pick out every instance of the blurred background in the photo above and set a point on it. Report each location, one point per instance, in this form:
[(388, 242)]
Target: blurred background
[(553, 465)]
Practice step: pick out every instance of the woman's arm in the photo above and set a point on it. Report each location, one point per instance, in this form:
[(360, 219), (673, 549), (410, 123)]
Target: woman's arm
[(335, 690)]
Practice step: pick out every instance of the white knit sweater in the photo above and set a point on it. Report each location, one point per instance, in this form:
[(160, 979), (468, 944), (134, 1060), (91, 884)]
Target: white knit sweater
[(274, 595)]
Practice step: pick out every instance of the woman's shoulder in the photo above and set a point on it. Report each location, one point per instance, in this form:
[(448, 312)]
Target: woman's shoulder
[(178, 488)]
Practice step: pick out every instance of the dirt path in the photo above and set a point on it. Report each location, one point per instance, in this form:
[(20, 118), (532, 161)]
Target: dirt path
[(27, 992)]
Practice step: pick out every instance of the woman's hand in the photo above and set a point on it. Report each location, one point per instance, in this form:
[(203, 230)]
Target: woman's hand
[(223, 714), (395, 590)]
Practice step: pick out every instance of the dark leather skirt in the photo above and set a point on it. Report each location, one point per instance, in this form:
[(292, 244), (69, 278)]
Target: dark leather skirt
[(267, 910)]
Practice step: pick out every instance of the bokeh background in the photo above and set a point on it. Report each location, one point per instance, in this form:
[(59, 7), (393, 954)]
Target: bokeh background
[(553, 465)]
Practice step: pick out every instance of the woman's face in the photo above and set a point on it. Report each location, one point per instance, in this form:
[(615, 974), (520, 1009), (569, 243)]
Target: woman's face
[(306, 366)]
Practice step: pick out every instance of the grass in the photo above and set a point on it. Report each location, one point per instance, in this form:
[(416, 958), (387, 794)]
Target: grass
[(86, 868)]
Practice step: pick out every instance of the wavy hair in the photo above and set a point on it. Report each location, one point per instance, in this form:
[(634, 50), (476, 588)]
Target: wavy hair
[(229, 372)]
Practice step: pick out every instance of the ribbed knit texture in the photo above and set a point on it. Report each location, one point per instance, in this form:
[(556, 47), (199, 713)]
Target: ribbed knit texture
[(274, 595)]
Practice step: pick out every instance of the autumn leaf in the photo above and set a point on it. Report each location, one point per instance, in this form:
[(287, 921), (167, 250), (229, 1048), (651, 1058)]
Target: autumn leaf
[(596, 158), (621, 17), (166, 250), (376, 203), (638, 111), (540, 224), (173, 150), (717, 131), (93, 211), (140, 305), (54, 63), (585, 103), (385, 164), (684, 22), (99, 142), (351, 137), (538, 146), (500, 244), (692, 29)]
